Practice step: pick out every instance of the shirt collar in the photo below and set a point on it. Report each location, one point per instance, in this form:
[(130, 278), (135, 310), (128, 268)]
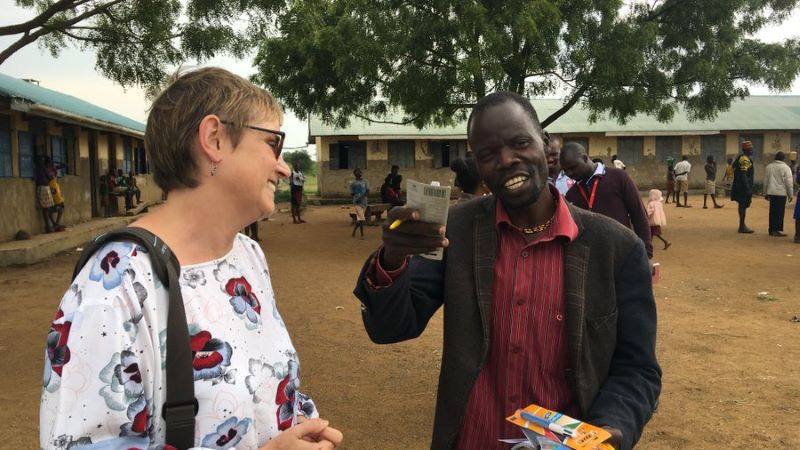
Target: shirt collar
[(563, 223), (598, 172)]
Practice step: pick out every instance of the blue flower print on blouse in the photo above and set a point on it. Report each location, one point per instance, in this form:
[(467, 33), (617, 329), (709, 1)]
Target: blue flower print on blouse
[(124, 391), (228, 434), (110, 263), (243, 300)]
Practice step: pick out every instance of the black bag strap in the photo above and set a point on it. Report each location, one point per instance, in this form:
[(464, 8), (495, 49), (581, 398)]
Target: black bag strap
[(181, 405)]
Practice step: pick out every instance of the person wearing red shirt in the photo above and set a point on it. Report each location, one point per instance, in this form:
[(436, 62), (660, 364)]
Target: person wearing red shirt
[(544, 302)]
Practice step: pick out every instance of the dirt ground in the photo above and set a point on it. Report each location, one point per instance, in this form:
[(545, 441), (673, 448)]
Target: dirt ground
[(730, 360)]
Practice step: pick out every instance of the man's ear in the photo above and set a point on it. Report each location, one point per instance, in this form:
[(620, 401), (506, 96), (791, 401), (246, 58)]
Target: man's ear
[(211, 137)]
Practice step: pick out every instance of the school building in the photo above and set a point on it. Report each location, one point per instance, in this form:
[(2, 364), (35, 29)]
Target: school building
[(84, 140), (772, 123)]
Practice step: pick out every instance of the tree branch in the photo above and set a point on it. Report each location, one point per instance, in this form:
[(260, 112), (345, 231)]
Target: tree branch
[(28, 37), (570, 103), (567, 81), (41, 19), (371, 120)]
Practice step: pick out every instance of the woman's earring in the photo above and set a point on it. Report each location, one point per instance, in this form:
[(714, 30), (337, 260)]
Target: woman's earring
[(213, 169)]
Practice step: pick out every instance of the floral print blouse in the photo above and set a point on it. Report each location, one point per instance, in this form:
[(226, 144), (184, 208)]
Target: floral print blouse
[(105, 357)]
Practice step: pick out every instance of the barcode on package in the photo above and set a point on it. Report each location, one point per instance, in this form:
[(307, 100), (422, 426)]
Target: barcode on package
[(434, 192)]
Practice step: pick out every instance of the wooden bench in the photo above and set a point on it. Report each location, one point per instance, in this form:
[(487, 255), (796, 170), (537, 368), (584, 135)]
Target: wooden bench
[(374, 213)]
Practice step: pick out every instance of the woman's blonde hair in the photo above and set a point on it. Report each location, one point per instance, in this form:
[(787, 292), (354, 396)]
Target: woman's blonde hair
[(172, 125)]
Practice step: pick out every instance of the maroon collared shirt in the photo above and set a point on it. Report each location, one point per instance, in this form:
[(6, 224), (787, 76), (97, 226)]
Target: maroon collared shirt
[(527, 356)]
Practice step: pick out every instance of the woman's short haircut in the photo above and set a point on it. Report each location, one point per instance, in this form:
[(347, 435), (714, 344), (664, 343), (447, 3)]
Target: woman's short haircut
[(172, 125)]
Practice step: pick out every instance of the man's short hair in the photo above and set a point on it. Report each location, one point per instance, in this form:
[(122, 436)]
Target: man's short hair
[(172, 125), (780, 156), (572, 150), (500, 97)]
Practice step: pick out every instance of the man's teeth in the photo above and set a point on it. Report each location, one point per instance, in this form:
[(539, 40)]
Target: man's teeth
[(515, 183)]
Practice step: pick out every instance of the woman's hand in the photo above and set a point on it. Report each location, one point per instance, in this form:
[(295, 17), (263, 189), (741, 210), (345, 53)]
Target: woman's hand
[(310, 434)]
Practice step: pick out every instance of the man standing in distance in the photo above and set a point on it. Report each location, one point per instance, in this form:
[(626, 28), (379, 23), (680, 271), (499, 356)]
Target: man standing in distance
[(296, 182), (605, 190), (778, 186), (742, 187), (711, 185), (508, 291), (554, 173), (682, 170)]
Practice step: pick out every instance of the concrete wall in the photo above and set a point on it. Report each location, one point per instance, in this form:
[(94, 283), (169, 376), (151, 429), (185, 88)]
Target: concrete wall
[(18, 203)]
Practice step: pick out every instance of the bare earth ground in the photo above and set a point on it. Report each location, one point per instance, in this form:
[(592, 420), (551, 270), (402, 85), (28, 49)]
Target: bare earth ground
[(731, 372)]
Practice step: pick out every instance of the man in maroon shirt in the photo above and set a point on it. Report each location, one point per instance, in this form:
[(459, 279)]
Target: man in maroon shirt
[(545, 303), (605, 190)]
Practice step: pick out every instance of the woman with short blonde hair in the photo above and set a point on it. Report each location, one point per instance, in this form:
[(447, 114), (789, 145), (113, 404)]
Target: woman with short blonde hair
[(214, 142)]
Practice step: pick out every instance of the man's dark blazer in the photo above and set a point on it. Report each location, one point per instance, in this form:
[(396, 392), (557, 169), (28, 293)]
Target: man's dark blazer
[(610, 317)]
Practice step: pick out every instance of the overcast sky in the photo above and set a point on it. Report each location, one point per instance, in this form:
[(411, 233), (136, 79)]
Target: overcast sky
[(73, 73)]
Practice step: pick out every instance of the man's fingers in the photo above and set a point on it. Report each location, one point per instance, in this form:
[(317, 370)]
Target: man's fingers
[(404, 242), (414, 228), (403, 213)]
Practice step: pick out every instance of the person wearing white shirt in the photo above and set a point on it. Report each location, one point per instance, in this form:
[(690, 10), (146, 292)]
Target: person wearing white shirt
[(777, 188), (682, 170), (617, 162), (296, 182)]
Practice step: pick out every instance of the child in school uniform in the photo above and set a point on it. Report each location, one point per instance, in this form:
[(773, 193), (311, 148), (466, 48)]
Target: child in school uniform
[(359, 189), (656, 216)]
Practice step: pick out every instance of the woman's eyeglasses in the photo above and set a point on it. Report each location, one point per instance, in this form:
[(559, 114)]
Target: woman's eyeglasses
[(277, 145)]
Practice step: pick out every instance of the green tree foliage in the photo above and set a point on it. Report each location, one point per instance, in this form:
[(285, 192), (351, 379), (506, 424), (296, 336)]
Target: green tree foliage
[(301, 160), (434, 58), (139, 42)]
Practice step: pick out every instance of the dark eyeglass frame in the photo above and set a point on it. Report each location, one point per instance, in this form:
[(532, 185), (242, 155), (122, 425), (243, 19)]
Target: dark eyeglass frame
[(276, 149)]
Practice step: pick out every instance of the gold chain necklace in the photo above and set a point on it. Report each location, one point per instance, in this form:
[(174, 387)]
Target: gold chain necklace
[(539, 228)]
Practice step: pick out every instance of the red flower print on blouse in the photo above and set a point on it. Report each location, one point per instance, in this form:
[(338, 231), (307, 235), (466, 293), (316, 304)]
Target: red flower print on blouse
[(209, 355), (57, 351)]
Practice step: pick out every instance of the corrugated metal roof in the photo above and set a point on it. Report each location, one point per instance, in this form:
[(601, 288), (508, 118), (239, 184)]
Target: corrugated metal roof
[(765, 112), (16, 88)]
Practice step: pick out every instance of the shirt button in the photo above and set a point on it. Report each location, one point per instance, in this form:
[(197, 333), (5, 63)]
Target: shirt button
[(525, 254), (559, 317), (514, 398), (516, 349), (520, 301)]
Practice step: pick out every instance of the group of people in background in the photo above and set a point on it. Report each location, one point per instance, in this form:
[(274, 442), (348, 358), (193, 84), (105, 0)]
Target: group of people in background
[(113, 185)]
